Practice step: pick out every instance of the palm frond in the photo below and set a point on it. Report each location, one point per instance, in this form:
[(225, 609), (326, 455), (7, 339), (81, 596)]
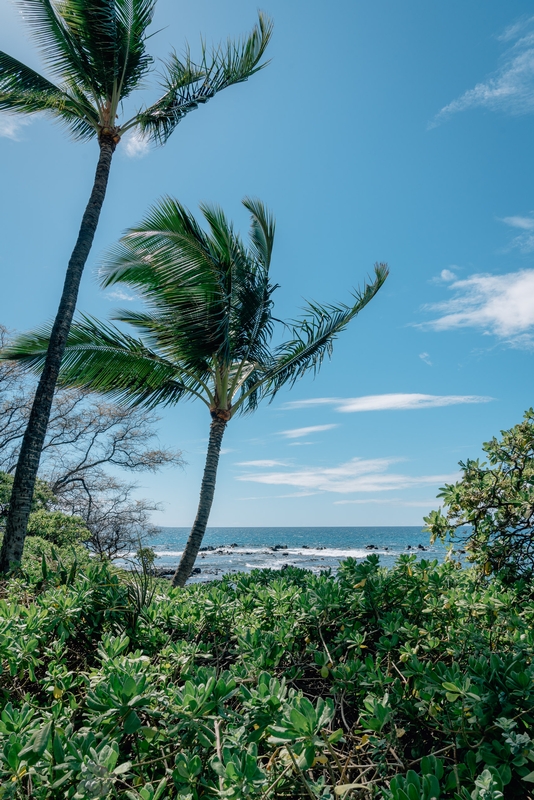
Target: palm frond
[(167, 247), (188, 84), (24, 91), (262, 231), (60, 51), (101, 358), (312, 339), (99, 45)]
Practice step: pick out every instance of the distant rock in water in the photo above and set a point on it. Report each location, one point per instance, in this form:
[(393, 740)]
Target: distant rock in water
[(371, 547), (164, 572), (196, 571), (279, 547), (205, 549), (421, 547)]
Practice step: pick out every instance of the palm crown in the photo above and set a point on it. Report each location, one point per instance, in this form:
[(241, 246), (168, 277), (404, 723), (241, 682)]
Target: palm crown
[(208, 326), (96, 50)]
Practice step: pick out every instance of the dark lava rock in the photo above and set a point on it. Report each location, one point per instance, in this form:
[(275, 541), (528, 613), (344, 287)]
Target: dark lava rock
[(209, 547), (421, 547), (196, 571), (371, 547), (280, 547)]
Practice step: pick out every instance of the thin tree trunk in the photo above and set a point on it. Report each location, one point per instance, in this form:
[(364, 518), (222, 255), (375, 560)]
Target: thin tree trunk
[(207, 490), (34, 436)]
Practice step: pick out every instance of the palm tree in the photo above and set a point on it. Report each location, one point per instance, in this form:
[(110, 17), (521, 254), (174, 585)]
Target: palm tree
[(206, 333), (95, 50)]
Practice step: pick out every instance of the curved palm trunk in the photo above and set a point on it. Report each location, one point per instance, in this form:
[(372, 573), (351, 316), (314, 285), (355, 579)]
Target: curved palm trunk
[(207, 490), (34, 436)]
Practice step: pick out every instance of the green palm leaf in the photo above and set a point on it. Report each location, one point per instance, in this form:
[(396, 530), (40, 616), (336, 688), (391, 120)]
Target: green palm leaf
[(104, 359), (98, 45), (22, 90), (208, 323), (188, 84), (313, 338)]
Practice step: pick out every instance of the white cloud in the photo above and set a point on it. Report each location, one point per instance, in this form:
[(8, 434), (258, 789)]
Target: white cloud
[(426, 358), (356, 475), (524, 241), (11, 126), (297, 433), (136, 145), (502, 305), (266, 462), (511, 87), (119, 294), (388, 402), (447, 275), (525, 223)]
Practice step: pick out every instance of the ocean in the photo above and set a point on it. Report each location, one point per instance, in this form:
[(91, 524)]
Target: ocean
[(230, 550)]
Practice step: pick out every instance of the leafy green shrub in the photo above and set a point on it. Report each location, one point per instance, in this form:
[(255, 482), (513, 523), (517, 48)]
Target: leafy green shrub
[(495, 499), (414, 682)]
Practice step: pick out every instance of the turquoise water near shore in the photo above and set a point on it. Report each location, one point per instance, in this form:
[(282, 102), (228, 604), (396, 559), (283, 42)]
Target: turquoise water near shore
[(232, 550)]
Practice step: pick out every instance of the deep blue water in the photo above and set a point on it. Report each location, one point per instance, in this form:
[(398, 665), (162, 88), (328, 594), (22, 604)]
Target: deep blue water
[(244, 549)]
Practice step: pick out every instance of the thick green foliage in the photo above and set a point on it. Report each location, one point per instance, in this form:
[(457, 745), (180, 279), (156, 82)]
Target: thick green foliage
[(46, 522), (404, 684), (495, 499)]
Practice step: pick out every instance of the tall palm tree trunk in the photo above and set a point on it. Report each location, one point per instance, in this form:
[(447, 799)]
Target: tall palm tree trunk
[(34, 436), (207, 490)]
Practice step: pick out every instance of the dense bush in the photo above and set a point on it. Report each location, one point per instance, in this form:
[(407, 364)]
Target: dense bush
[(45, 520), (491, 509), (414, 682)]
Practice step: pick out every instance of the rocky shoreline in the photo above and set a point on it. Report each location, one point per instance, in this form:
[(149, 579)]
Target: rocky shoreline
[(280, 550)]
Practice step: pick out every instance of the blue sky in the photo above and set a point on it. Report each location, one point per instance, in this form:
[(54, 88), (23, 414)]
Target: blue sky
[(398, 132)]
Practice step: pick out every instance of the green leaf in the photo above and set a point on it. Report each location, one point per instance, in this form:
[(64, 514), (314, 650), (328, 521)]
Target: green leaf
[(132, 723)]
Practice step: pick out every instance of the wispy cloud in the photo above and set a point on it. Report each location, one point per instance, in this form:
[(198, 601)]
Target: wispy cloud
[(445, 276), (388, 402), (281, 496), (119, 294), (298, 433), (395, 501), (524, 241), (502, 305), (11, 126), (426, 358), (136, 145), (265, 462), (511, 87), (356, 475)]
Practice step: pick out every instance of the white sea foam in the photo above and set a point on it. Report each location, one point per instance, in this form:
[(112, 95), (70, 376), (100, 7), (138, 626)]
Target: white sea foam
[(330, 552)]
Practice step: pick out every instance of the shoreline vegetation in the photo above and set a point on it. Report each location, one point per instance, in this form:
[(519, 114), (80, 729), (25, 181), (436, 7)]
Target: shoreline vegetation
[(414, 681)]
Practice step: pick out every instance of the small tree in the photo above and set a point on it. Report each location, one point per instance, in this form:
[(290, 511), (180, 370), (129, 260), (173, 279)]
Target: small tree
[(75, 496), (491, 509), (207, 330)]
